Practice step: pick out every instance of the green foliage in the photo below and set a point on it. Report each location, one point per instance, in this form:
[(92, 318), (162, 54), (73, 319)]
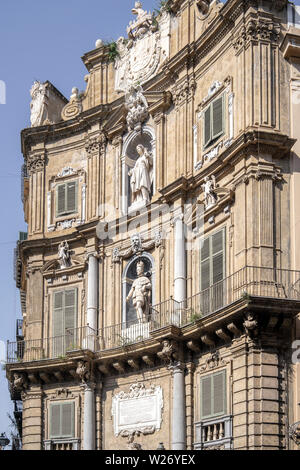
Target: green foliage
[(195, 315), (3, 366), (163, 5), (245, 296), (113, 52)]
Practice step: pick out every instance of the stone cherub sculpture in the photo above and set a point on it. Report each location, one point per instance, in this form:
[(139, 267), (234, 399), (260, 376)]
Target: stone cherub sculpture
[(141, 176), (140, 293), (64, 255), (209, 187)]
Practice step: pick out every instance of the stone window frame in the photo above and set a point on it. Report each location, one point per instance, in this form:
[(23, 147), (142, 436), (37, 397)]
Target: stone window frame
[(204, 154), (53, 398), (66, 175), (127, 140)]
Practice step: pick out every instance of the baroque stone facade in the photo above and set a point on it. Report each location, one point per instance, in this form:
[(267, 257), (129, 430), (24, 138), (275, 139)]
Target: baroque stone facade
[(160, 279)]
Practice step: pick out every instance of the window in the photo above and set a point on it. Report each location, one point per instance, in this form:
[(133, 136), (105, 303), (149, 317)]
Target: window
[(214, 121), (213, 395), (62, 420), (64, 321), (66, 198), (212, 271)]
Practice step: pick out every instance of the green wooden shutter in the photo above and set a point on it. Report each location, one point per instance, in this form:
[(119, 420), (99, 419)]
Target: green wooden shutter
[(218, 256), (206, 391), (217, 117), (71, 197), (213, 395), (55, 423), (70, 316), (58, 324), (61, 200), (219, 393), (205, 265), (207, 126), (62, 420), (67, 419)]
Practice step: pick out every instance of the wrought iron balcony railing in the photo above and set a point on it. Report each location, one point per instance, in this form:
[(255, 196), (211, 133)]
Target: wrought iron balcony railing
[(248, 282)]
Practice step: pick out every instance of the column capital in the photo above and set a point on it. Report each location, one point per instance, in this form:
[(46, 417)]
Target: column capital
[(177, 367), (88, 386)]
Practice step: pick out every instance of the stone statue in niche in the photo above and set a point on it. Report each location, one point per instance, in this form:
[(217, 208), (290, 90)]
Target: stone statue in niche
[(141, 176), (64, 255), (140, 293), (210, 195)]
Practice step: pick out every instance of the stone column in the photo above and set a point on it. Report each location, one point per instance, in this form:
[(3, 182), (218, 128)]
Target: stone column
[(92, 301), (179, 261), (178, 408), (89, 417)]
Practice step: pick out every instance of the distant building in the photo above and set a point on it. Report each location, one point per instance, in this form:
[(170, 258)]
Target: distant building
[(160, 280)]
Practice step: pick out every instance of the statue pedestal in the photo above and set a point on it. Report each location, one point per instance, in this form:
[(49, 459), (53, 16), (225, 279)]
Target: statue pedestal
[(136, 206)]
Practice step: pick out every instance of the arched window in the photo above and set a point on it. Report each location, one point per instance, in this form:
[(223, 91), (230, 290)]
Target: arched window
[(129, 159), (129, 313)]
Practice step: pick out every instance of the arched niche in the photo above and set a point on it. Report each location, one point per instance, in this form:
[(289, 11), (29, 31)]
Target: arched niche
[(129, 275), (129, 157)]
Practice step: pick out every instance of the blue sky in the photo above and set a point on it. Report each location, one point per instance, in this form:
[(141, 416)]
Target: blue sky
[(39, 40)]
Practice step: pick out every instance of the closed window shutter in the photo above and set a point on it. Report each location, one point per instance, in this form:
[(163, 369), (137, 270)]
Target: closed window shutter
[(205, 265), (71, 203), (70, 314), (61, 199), (213, 395), (55, 423), (207, 126), (217, 117), (58, 324), (62, 420), (206, 392), (219, 393), (218, 256), (67, 419)]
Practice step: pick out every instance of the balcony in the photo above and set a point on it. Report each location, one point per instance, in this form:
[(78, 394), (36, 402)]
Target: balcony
[(214, 434), (248, 283)]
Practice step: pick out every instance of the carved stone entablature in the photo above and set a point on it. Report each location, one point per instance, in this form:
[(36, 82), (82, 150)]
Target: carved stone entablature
[(256, 29), (169, 352), (67, 171), (138, 246), (137, 107), (138, 411), (213, 361), (35, 162), (96, 145), (184, 91)]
